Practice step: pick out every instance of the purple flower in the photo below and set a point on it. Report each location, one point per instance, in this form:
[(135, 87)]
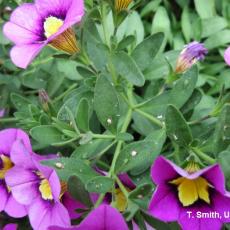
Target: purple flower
[(227, 56), (7, 139), (104, 217), (2, 112), (191, 53), (182, 195), (38, 187), (122, 4), (10, 227), (33, 26)]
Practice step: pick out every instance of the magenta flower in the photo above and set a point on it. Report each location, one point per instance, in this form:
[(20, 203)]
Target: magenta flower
[(104, 217), (192, 53), (10, 227), (33, 26), (7, 201), (227, 56), (183, 195), (38, 187)]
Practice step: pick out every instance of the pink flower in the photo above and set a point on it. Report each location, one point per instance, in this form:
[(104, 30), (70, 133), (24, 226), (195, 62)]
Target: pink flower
[(227, 56), (33, 26)]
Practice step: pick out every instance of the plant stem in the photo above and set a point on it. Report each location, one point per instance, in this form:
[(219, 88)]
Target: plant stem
[(121, 186), (119, 144), (103, 136), (153, 119), (199, 121), (204, 156), (99, 200), (65, 93), (8, 119)]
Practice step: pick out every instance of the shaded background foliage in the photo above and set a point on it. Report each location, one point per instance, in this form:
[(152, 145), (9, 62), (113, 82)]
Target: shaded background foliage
[(89, 95)]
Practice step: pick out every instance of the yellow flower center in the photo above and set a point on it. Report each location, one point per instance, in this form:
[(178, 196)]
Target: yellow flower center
[(6, 165), (52, 25), (120, 200), (189, 191), (45, 190)]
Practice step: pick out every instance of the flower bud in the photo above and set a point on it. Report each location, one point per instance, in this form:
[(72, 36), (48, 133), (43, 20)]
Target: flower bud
[(192, 53)]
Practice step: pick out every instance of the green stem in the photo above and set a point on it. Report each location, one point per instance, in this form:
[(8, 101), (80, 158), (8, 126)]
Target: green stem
[(121, 186), (103, 136), (8, 119), (204, 156), (119, 144), (199, 121), (153, 119), (65, 93), (99, 200)]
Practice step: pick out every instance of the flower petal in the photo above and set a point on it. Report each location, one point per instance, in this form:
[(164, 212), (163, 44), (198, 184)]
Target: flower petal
[(53, 7), (21, 156), (9, 136), (10, 227), (43, 214), (227, 56), (23, 55), (75, 13), (27, 16), (194, 222), (14, 209), (71, 205), (25, 25), (221, 205), (4, 196), (104, 217), (53, 179), (164, 170), (18, 34), (164, 204), (23, 184)]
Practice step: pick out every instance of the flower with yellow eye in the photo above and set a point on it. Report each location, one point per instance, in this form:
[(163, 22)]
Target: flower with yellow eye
[(46, 22), (8, 137), (183, 195)]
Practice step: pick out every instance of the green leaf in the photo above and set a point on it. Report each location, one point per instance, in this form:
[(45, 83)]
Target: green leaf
[(222, 131), (77, 191), (213, 25), (68, 68), (176, 127), (159, 67), (205, 8), (124, 43), (106, 103), (141, 191), (127, 68), (91, 150), (20, 102), (66, 167), (161, 23), (218, 39), (186, 24), (46, 135), (178, 96), (82, 117), (138, 156), (144, 53), (100, 184)]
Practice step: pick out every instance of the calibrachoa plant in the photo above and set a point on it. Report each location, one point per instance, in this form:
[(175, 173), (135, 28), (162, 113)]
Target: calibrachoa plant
[(114, 114)]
